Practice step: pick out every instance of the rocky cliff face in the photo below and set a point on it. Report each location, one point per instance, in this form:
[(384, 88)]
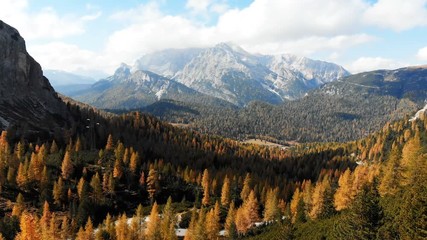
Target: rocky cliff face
[(26, 97)]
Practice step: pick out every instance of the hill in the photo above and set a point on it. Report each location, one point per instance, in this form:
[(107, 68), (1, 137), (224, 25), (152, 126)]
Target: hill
[(344, 110)]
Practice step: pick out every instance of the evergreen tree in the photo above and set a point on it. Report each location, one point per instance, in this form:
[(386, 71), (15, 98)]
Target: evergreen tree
[(363, 217)]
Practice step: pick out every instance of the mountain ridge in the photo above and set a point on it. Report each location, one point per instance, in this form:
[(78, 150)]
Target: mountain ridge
[(227, 72)]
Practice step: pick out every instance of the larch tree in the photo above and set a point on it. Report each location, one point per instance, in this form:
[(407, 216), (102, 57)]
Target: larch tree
[(230, 225), (19, 206), (251, 208), (82, 189), (167, 226), (200, 229), (271, 211), (206, 186), (294, 203), (319, 199), (344, 194), (96, 186), (109, 225), (21, 177), (29, 225), (307, 193), (89, 232), (212, 222), (410, 153), (134, 162), (390, 180), (118, 169), (45, 220), (110, 143), (246, 189), (65, 228), (363, 218), (152, 232), (225, 192), (189, 235), (67, 166), (152, 183), (122, 228), (242, 221)]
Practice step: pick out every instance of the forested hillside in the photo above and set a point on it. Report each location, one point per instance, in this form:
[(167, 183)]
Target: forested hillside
[(344, 110), (107, 169)]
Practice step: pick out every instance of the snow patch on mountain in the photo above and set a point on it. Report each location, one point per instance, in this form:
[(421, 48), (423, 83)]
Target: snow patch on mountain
[(419, 113), (163, 90)]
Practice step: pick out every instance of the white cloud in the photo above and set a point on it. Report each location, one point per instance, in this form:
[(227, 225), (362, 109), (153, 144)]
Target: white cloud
[(45, 24), (304, 27), (422, 54), (397, 14), (364, 64), (269, 26), (198, 5), (67, 57), (310, 45)]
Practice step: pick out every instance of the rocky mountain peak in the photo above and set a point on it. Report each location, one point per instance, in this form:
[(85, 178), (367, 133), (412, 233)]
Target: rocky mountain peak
[(123, 71)]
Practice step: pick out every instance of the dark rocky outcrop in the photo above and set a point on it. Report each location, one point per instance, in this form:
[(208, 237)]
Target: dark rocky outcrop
[(27, 100)]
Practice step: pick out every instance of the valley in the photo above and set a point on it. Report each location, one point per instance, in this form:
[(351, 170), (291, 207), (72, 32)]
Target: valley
[(209, 142)]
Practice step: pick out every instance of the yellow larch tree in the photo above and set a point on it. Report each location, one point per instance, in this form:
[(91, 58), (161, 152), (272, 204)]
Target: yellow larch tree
[(225, 192), (206, 186), (152, 232)]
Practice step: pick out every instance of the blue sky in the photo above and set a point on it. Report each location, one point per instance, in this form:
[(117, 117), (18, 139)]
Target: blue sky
[(93, 37)]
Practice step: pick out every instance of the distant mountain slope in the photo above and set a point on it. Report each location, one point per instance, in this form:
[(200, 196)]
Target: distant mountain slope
[(68, 83), (408, 83), (129, 90), (339, 111), (61, 78), (26, 97), (228, 72), (166, 62)]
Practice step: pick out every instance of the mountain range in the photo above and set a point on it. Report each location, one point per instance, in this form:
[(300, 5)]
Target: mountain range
[(225, 72)]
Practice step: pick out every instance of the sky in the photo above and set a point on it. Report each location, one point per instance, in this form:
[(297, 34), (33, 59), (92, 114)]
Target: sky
[(92, 37)]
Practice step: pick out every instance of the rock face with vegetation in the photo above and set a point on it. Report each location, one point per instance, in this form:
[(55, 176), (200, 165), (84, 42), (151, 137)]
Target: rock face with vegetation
[(26, 97)]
